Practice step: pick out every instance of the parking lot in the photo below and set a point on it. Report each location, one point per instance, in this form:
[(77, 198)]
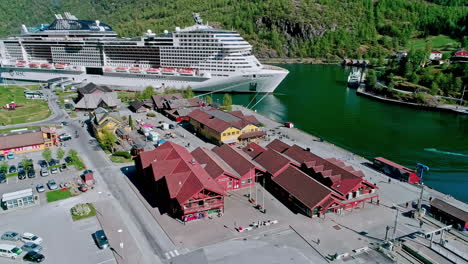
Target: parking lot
[(70, 174), (64, 240)]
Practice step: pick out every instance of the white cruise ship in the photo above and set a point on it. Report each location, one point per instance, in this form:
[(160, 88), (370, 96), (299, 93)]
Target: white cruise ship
[(202, 57)]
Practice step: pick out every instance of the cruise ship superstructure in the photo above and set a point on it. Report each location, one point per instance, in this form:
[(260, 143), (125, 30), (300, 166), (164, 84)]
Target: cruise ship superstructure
[(200, 56)]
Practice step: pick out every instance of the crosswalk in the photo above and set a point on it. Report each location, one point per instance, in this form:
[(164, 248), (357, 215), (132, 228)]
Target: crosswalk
[(174, 253)]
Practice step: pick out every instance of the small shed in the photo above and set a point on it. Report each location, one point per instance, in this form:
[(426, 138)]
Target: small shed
[(450, 213), (289, 124), (122, 133)]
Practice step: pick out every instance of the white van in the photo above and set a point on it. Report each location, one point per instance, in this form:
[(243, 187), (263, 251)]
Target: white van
[(9, 251)]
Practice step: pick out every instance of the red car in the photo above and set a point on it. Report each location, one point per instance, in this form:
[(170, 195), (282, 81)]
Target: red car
[(82, 188)]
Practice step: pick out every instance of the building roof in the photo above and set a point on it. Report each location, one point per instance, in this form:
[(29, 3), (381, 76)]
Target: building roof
[(161, 98), (21, 139), (237, 160), (213, 164), (184, 176), (395, 165), (278, 145), (219, 120), (182, 103), (304, 188), (135, 105), (454, 211), (436, 52), (93, 101), (272, 161), (91, 88), (253, 149), (17, 195), (254, 134)]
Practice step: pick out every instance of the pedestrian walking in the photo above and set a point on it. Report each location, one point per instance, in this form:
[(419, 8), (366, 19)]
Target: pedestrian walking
[(421, 223), (318, 241), (389, 180), (378, 202), (407, 204)]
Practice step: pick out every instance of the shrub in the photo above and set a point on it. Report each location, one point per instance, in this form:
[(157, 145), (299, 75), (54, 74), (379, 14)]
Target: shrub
[(124, 118), (80, 210), (124, 154), (151, 114)]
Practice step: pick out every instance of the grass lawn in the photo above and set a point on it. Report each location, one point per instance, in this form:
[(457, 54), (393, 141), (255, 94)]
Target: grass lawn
[(12, 175), (118, 159), (58, 195), (28, 110), (92, 213), (6, 130), (440, 42)]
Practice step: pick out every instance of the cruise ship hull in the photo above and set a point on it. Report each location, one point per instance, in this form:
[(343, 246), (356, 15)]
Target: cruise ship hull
[(264, 81)]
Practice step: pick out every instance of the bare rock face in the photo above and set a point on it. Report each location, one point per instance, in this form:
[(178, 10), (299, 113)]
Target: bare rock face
[(292, 29)]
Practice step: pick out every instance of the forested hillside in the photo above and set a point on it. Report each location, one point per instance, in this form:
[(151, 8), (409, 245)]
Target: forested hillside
[(276, 28)]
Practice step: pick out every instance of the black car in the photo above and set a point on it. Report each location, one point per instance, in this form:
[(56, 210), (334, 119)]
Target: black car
[(68, 160), (101, 239), (42, 163), (30, 164), (2, 157), (31, 173), (2, 177), (52, 162), (20, 167), (34, 257), (12, 169), (21, 174)]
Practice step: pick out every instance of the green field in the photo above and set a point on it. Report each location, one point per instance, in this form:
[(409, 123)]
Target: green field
[(58, 195), (440, 42), (27, 111)]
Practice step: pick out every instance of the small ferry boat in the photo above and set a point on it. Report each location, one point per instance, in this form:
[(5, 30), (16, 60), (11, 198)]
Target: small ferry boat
[(108, 70), (354, 79), (168, 71), (121, 69), (135, 70), (34, 65), (60, 66), (152, 71), (187, 72), (21, 64), (46, 65)]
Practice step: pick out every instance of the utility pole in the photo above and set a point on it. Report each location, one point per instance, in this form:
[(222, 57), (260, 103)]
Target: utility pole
[(420, 170), (263, 194), (396, 223)]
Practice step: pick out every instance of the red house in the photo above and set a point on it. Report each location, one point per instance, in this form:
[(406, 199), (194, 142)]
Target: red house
[(460, 56), (240, 163), (180, 185)]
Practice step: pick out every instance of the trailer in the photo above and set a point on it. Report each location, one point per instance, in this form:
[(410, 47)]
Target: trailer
[(396, 171), (152, 136)]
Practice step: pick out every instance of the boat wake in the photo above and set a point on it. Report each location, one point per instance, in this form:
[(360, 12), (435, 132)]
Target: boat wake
[(445, 152)]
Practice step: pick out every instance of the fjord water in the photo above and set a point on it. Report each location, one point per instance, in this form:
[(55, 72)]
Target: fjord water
[(316, 100)]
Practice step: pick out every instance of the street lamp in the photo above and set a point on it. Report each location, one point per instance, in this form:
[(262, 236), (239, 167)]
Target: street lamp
[(420, 168)]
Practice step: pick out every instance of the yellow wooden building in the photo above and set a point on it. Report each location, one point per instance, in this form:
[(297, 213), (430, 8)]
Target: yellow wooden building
[(225, 127), (101, 119)]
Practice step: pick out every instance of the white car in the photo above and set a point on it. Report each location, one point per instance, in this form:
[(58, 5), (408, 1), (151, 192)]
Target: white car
[(29, 237)]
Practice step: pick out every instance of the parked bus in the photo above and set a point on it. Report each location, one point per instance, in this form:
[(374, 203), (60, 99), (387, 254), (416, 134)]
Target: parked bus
[(396, 171)]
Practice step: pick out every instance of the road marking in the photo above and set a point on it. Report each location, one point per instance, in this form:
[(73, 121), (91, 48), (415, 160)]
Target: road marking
[(105, 261), (172, 254), (167, 255)]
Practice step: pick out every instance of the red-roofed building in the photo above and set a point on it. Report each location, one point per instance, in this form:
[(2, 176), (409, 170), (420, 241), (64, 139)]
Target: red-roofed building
[(460, 56), (253, 149), (179, 182), (304, 194), (241, 163), (222, 127), (344, 181), (221, 172), (435, 55)]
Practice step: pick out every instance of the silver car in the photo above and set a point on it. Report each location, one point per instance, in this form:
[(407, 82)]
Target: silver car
[(30, 246), (13, 236), (52, 185), (44, 172), (40, 188)]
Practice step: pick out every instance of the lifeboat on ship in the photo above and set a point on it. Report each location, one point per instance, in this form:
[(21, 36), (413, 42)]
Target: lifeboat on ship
[(46, 65), (21, 64), (152, 71), (60, 66), (108, 69), (187, 72), (121, 69), (168, 71), (34, 65), (135, 70)]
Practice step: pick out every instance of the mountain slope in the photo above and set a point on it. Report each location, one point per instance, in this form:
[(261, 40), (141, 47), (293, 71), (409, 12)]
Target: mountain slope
[(295, 28)]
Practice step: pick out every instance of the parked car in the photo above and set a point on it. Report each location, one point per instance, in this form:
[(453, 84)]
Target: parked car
[(44, 172), (10, 155), (31, 173), (12, 169), (40, 188), (42, 163), (54, 170), (2, 177), (63, 167), (21, 174), (20, 167), (13, 236), (52, 162), (87, 172), (171, 126), (64, 137), (101, 239), (30, 164), (9, 251), (64, 123), (82, 188), (29, 237), (30, 246), (68, 160), (52, 185), (34, 257), (2, 157)]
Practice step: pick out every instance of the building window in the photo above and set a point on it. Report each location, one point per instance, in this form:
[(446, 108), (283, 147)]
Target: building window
[(249, 180), (243, 182)]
